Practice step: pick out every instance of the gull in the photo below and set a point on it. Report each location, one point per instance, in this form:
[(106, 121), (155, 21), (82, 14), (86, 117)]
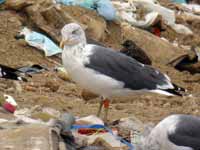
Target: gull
[(108, 73), (175, 132)]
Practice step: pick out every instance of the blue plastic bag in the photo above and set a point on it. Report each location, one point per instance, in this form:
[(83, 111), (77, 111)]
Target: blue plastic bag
[(180, 1), (2, 1), (83, 3), (103, 7), (42, 42), (106, 9)]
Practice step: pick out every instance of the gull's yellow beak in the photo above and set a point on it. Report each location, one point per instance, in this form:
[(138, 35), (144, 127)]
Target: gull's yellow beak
[(67, 42)]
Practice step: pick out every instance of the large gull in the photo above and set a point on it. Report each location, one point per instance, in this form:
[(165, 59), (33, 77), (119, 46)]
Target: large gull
[(175, 132), (106, 72)]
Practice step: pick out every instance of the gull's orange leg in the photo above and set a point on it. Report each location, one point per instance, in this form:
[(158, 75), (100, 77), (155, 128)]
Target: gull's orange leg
[(106, 104)]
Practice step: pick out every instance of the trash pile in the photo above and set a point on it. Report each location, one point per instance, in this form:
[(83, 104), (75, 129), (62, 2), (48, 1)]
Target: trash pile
[(41, 108)]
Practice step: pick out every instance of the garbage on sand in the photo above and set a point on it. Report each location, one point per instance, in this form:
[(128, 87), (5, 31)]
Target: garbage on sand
[(127, 12), (9, 103), (194, 8), (180, 1), (39, 41), (35, 68), (2, 1), (11, 73), (189, 62), (103, 7)]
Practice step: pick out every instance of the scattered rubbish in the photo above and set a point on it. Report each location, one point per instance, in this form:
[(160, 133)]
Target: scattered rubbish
[(180, 1), (168, 15), (9, 104), (92, 119), (132, 50), (194, 8), (103, 7), (39, 41), (2, 1), (106, 138), (127, 12), (32, 69), (10, 73), (188, 62)]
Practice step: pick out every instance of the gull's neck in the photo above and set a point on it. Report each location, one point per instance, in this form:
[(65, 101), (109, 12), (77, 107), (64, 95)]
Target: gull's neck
[(74, 50)]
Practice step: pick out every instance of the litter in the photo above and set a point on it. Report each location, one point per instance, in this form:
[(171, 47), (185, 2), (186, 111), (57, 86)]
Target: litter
[(188, 62), (107, 139), (32, 69), (180, 1), (195, 8), (9, 104), (126, 12), (39, 41), (2, 1), (10, 73), (103, 7), (168, 16), (92, 119)]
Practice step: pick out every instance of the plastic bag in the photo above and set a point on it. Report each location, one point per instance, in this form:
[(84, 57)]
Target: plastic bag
[(41, 42), (2, 1), (106, 9), (180, 1), (103, 7)]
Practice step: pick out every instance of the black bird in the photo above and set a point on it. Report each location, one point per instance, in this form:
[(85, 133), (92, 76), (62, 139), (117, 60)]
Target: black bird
[(132, 50), (10, 73)]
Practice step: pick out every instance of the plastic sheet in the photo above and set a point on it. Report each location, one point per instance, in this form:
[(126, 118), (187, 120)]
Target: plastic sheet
[(103, 7), (2, 1), (41, 42)]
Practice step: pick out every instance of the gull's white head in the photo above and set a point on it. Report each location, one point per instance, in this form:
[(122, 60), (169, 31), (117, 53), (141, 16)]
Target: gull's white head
[(72, 34)]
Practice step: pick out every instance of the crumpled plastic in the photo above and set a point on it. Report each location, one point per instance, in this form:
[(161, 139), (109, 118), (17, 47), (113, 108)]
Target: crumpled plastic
[(124, 13), (41, 42), (103, 7), (2, 1), (194, 8), (154, 10)]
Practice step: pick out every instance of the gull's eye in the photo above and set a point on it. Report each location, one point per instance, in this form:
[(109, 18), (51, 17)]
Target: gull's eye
[(75, 32)]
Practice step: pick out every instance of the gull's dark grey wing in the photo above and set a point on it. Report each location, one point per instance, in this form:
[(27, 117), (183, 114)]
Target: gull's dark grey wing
[(134, 75), (187, 132)]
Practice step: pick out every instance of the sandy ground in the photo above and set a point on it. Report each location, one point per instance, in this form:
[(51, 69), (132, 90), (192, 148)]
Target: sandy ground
[(47, 89)]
